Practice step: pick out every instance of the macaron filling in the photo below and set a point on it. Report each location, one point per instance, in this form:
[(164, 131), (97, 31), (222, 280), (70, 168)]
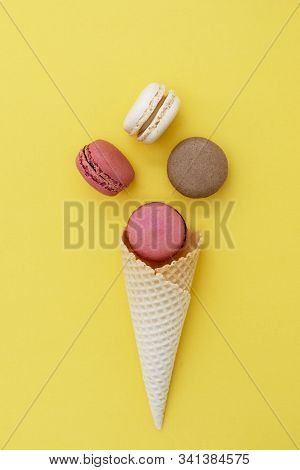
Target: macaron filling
[(158, 124), (92, 171), (151, 117)]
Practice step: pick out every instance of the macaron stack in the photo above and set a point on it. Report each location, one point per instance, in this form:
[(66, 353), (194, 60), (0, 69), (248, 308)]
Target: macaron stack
[(159, 252)]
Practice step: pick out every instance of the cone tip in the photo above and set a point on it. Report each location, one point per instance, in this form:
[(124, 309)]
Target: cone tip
[(158, 421)]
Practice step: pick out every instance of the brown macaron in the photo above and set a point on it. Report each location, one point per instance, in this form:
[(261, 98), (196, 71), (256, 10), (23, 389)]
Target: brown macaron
[(197, 167)]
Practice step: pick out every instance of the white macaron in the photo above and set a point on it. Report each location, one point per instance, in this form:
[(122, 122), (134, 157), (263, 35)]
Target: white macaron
[(151, 113)]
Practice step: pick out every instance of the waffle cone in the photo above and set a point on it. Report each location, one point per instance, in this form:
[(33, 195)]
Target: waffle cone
[(158, 298)]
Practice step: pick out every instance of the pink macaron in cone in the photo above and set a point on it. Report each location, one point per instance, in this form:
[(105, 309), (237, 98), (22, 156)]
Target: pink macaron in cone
[(159, 261), (104, 167), (156, 232)]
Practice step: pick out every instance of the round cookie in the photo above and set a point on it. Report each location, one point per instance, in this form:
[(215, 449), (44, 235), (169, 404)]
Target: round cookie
[(152, 113), (197, 167), (156, 231), (104, 167)]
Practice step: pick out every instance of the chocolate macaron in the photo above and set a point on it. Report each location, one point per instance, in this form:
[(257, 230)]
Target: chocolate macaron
[(197, 167)]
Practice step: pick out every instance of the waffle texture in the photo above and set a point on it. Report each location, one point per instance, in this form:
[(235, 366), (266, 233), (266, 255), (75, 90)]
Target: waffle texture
[(158, 300)]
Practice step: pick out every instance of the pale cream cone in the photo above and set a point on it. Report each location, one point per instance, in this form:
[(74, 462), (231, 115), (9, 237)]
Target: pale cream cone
[(158, 299)]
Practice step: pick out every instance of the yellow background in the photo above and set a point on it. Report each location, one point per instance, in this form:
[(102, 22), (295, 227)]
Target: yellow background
[(100, 55)]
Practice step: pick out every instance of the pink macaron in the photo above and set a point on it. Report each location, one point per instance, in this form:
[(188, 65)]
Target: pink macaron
[(104, 167), (156, 231)]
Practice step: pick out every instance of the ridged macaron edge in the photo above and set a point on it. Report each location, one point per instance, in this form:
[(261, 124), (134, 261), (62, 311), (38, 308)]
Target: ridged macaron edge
[(162, 120), (143, 107)]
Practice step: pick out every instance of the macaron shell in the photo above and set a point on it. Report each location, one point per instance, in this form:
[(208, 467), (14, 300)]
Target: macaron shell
[(162, 120), (108, 164), (156, 231), (89, 178), (197, 167), (112, 161), (143, 107)]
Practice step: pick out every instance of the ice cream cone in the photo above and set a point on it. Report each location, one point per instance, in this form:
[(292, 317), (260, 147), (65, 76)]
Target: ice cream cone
[(158, 299)]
